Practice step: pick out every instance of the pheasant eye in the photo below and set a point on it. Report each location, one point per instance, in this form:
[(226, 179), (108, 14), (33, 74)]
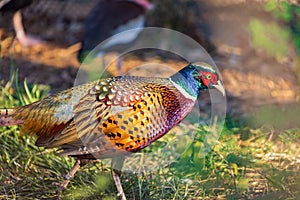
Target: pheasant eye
[(208, 76)]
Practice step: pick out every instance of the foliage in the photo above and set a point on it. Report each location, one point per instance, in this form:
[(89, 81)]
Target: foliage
[(264, 36), (275, 38), (288, 13)]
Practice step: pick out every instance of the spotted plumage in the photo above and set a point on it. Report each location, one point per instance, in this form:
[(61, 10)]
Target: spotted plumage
[(114, 116)]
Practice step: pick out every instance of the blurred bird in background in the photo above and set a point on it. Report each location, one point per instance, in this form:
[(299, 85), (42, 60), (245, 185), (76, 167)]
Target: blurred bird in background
[(108, 18)]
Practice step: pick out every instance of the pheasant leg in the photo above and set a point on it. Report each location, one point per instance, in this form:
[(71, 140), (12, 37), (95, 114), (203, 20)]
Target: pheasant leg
[(116, 166), (68, 177)]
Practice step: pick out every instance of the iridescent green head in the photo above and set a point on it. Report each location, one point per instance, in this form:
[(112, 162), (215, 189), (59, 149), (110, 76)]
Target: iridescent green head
[(196, 77)]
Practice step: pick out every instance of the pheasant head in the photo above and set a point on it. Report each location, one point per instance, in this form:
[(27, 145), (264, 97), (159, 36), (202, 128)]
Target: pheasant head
[(195, 78)]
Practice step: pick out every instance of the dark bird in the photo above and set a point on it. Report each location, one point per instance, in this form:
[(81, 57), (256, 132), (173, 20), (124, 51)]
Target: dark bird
[(108, 18), (112, 117), (16, 6)]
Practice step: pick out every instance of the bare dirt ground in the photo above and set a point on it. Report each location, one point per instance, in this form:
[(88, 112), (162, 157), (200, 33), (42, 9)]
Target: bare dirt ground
[(252, 79)]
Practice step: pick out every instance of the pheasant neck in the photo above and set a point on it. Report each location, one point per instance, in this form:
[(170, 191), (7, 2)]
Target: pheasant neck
[(187, 85)]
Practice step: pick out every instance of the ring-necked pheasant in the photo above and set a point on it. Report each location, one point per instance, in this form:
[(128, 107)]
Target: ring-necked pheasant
[(110, 118)]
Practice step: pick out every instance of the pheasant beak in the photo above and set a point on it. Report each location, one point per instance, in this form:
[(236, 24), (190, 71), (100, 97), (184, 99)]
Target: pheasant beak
[(219, 86)]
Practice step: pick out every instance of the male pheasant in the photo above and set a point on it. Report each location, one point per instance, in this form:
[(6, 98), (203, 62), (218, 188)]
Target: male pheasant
[(110, 118)]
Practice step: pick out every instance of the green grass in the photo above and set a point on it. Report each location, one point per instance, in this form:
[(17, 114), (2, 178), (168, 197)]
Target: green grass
[(263, 34), (244, 163)]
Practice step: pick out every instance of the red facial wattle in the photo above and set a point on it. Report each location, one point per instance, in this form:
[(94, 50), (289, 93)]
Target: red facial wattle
[(209, 78)]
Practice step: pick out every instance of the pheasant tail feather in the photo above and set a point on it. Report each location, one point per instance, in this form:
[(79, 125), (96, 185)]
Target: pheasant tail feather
[(6, 118)]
